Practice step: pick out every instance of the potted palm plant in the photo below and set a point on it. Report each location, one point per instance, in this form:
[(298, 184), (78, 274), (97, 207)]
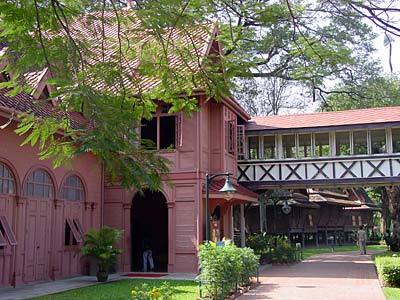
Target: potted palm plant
[(98, 244)]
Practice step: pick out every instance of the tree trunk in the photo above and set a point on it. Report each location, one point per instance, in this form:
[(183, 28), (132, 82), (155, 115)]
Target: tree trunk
[(394, 209), (385, 213)]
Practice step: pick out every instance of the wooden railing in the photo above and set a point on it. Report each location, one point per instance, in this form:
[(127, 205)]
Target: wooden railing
[(327, 172)]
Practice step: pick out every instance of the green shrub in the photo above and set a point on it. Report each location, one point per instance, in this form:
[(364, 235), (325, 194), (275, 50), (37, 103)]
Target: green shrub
[(249, 265), (388, 269), (259, 242), (284, 252), (272, 248), (222, 268)]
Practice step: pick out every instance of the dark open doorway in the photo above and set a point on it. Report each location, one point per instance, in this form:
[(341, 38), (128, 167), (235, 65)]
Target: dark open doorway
[(149, 221)]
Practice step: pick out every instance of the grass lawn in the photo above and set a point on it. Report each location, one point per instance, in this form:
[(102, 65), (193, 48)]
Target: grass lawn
[(121, 290), (312, 251), (391, 293)]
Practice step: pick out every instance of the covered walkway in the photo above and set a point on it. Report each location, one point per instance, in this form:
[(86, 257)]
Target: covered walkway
[(333, 276)]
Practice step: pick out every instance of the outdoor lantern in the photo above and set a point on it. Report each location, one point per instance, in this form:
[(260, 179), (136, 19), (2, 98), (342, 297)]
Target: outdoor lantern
[(228, 189), (286, 208)]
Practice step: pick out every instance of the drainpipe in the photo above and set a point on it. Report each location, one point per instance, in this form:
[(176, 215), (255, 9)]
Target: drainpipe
[(14, 248), (102, 196), (199, 177)]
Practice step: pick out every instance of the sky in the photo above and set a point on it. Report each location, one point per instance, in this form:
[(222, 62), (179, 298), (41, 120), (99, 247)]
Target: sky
[(383, 54)]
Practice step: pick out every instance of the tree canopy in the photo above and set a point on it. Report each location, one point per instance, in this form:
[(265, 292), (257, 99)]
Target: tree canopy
[(101, 75)]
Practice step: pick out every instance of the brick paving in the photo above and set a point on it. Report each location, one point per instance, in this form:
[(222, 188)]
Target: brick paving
[(332, 276)]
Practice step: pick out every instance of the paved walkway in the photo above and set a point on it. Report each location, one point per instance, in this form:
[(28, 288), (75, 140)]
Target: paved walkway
[(29, 291), (333, 276)]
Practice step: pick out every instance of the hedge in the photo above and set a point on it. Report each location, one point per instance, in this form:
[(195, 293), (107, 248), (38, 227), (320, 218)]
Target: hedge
[(222, 269), (388, 268)]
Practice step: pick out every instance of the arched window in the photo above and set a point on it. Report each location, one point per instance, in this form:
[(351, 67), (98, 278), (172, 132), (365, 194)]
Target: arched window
[(73, 189), (39, 185), (7, 182)]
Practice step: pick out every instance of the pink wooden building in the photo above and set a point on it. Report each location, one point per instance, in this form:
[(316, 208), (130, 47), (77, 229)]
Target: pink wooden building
[(45, 211)]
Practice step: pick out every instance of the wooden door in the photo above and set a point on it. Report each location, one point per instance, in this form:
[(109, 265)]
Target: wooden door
[(37, 240), (71, 263), (6, 252)]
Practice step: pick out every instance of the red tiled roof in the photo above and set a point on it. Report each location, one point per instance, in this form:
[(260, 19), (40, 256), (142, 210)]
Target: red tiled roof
[(196, 40), (185, 48), (25, 103), (326, 119)]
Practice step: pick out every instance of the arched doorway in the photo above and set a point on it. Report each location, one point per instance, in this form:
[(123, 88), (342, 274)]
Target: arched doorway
[(149, 221)]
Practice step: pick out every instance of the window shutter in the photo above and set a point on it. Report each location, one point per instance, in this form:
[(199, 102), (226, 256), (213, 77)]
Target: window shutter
[(74, 230), (240, 141), (2, 240), (231, 137), (79, 227), (179, 129), (226, 135), (8, 231)]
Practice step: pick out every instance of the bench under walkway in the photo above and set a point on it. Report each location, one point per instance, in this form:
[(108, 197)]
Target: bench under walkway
[(333, 276)]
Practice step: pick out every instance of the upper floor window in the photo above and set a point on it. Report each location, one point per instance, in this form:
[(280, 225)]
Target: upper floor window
[(342, 139), (241, 141), (231, 136), (73, 189), (360, 142), (304, 145), (322, 144), (7, 182), (289, 146), (378, 141), (39, 185), (269, 146), (396, 139), (253, 147), (230, 130), (161, 131)]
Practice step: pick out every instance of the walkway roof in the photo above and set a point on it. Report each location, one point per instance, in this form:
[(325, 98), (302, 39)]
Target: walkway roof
[(360, 118)]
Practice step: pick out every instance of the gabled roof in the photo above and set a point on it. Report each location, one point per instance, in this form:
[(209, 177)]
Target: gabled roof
[(348, 118), (183, 48), (24, 103), (196, 40)]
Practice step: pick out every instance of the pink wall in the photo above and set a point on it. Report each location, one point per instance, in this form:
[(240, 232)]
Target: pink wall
[(203, 150), (39, 224)]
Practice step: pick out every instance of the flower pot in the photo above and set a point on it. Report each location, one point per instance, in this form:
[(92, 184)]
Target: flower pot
[(102, 276)]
